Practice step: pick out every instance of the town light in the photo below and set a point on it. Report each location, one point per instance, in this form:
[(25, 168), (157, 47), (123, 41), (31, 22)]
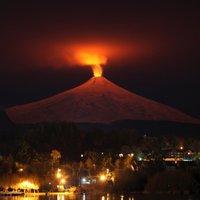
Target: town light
[(107, 171), (59, 170), (84, 180), (121, 155), (102, 177), (27, 185), (58, 175), (63, 181), (181, 147), (140, 158), (20, 169)]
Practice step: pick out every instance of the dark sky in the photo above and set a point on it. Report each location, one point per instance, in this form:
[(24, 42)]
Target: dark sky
[(152, 49)]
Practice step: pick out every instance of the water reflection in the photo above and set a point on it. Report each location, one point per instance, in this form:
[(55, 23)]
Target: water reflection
[(107, 196), (84, 198), (19, 198), (68, 197), (60, 197), (96, 197)]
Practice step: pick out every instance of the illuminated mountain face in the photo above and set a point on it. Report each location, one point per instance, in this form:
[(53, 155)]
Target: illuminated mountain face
[(96, 101)]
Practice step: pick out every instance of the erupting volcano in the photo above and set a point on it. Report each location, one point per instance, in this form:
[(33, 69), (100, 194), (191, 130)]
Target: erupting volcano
[(96, 101), (93, 60)]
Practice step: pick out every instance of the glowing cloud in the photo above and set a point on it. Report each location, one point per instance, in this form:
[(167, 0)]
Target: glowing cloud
[(94, 55)]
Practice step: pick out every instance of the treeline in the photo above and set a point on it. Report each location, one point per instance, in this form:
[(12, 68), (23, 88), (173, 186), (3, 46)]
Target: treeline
[(71, 141), (40, 149), (129, 174)]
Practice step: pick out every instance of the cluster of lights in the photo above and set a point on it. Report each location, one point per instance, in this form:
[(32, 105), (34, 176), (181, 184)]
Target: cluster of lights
[(121, 197), (82, 155), (58, 174), (27, 185), (85, 181), (121, 155), (106, 176), (61, 180)]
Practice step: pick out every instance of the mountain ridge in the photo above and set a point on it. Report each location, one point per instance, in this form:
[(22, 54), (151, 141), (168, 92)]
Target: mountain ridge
[(96, 101)]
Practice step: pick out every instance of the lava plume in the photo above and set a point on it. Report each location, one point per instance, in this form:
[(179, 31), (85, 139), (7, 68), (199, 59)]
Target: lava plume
[(94, 60)]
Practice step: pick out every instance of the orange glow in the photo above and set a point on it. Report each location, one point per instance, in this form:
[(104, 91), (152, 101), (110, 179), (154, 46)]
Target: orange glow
[(97, 70), (84, 53), (94, 60), (102, 177), (27, 185), (181, 147)]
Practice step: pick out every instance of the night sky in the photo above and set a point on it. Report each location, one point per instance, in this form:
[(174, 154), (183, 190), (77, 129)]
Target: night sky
[(152, 49)]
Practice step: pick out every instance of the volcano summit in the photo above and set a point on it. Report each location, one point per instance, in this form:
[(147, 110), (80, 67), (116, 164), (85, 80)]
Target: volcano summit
[(96, 101)]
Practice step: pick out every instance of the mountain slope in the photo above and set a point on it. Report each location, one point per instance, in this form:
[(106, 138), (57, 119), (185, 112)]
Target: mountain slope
[(5, 124), (97, 100)]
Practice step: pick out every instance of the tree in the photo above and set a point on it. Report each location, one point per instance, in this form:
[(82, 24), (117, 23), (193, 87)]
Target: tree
[(25, 153), (56, 156), (174, 181), (89, 166)]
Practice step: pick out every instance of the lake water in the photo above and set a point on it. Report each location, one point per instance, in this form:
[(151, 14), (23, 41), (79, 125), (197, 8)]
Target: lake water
[(102, 197)]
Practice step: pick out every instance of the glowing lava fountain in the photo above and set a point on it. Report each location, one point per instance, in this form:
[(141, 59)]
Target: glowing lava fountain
[(94, 60)]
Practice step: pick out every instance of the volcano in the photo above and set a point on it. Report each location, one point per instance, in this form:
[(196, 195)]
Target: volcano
[(96, 101)]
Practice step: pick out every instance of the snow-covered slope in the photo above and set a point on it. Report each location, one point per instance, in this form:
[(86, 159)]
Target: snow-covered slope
[(96, 101)]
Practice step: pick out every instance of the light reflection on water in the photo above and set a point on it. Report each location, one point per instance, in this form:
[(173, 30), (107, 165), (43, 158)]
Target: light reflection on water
[(93, 197), (67, 197)]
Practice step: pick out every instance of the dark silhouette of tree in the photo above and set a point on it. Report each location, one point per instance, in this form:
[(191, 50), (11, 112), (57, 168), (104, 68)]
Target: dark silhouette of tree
[(25, 153), (174, 181)]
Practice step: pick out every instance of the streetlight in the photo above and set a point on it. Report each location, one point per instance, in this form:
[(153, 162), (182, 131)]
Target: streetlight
[(63, 181), (20, 169), (102, 178), (58, 174), (181, 147)]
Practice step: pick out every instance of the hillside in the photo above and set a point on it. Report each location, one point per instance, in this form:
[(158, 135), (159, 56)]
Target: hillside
[(96, 101)]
